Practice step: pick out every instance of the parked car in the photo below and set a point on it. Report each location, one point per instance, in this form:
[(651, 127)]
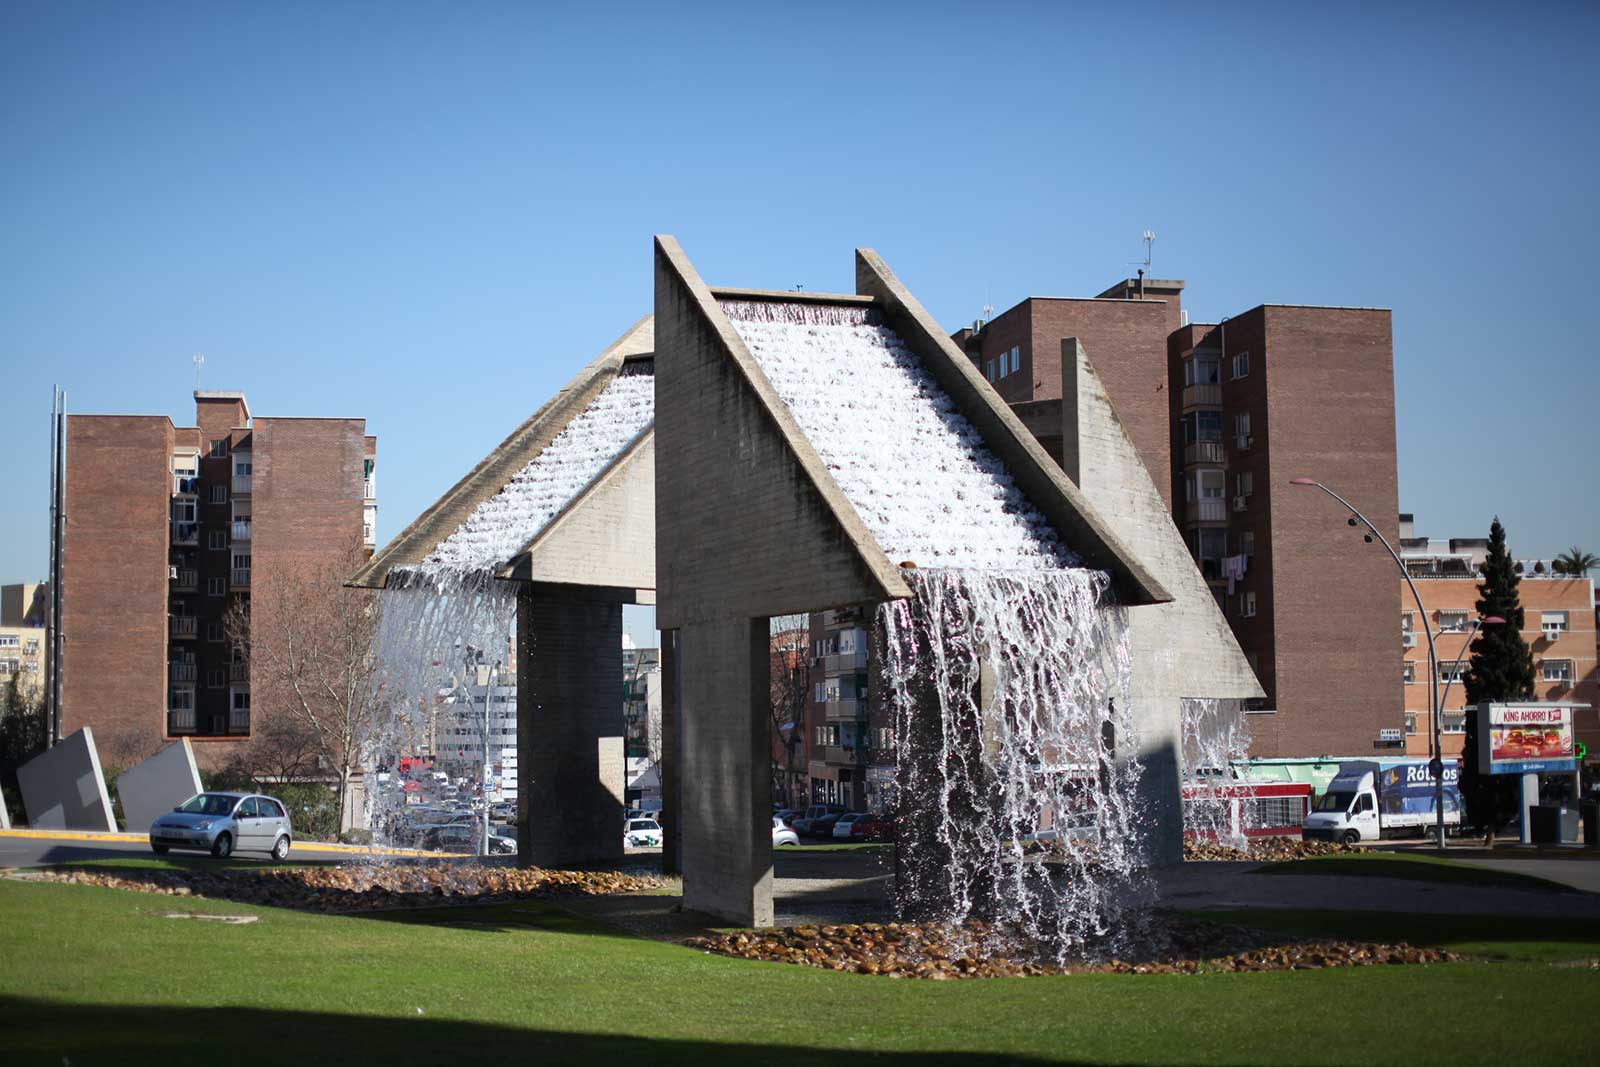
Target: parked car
[(469, 839), (866, 826), (806, 823), (642, 833), (822, 825), (782, 836), (788, 815), (220, 823), (841, 826)]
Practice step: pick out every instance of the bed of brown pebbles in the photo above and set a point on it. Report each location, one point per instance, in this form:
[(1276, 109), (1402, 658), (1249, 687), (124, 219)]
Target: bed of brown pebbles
[(364, 887), (1171, 945), (1268, 848)]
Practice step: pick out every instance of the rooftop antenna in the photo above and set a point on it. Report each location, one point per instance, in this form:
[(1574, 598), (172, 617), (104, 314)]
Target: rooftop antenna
[(199, 361), (1149, 241)]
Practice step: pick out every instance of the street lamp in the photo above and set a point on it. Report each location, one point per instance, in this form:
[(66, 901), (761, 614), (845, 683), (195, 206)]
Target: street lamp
[(1435, 698)]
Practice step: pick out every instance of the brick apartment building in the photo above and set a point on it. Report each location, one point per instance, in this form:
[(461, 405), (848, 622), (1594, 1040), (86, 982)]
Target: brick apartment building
[(24, 612), (1558, 624), (1224, 415), (164, 527)]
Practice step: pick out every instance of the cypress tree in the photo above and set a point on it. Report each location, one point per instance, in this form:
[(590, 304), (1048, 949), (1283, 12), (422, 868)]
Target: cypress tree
[(1501, 669)]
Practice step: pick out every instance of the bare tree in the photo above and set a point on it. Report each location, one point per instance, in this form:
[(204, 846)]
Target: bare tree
[(790, 684), (314, 672)]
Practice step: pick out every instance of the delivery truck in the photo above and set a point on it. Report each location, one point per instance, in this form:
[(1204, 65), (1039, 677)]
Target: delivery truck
[(1369, 799)]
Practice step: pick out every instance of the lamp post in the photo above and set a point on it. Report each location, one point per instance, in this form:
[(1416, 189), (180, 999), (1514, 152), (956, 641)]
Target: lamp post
[(1436, 764)]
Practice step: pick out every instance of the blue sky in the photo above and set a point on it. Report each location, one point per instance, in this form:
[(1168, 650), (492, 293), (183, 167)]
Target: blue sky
[(431, 214)]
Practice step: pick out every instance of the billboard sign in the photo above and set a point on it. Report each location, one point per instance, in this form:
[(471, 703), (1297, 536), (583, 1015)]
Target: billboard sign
[(1525, 739)]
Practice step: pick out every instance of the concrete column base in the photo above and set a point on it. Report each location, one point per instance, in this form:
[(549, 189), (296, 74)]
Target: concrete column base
[(571, 770), (725, 778)]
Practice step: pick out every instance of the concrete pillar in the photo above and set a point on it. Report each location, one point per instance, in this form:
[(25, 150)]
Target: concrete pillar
[(671, 758), (725, 778), (570, 765)]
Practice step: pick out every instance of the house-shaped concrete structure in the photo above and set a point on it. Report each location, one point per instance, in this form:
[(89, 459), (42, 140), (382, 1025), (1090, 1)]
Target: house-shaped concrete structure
[(752, 523), (572, 572)]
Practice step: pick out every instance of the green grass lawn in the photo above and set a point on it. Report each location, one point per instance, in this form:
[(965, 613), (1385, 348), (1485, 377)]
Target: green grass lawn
[(1418, 868), (101, 976)]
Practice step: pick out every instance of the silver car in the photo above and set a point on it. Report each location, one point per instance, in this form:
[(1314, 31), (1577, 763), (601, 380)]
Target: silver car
[(220, 823)]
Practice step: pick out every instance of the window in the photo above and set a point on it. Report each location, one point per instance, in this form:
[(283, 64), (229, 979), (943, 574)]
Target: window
[(1409, 672), (213, 631), (1202, 426), (1016, 358), (1453, 622), (1451, 672), (1201, 370), (216, 539), (1453, 722), (1247, 605), (241, 700), (1241, 365), (216, 586), (241, 561), (1411, 722), (1553, 623), (1241, 428), (1005, 365), (1556, 670), (1245, 482), (242, 465), (1247, 542), (219, 449), (215, 678), (988, 370), (219, 494), (183, 511), (10, 641)]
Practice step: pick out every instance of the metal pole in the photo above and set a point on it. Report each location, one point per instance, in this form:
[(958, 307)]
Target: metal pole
[(483, 779), (1433, 658), (58, 523)]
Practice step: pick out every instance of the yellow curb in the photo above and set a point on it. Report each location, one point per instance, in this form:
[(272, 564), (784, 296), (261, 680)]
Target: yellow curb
[(320, 846)]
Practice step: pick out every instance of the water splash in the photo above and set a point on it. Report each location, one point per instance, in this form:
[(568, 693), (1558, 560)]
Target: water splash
[(1216, 805), (1006, 690)]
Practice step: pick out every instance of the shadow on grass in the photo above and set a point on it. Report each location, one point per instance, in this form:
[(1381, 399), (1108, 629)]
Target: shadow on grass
[(1502, 937), (1416, 869), (41, 1031)]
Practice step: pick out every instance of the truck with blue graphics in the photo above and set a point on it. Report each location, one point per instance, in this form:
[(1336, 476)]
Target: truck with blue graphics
[(1369, 799)]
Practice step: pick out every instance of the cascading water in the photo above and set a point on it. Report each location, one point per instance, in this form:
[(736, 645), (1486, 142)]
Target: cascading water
[(1005, 670), (432, 612), (1215, 804), (1005, 689)]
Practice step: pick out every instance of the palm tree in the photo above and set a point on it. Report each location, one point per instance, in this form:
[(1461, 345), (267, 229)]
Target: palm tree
[(1575, 562)]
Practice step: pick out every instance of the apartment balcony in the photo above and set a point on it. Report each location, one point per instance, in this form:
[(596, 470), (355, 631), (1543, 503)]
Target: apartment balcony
[(845, 710), (845, 661), (239, 578), (369, 536), (180, 721), (241, 484), (239, 721), (1207, 509), (238, 674), (369, 489), (840, 755), (1202, 396), (183, 671), (186, 533), (185, 579), (241, 530), (1203, 452), (185, 484), (184, 627)]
